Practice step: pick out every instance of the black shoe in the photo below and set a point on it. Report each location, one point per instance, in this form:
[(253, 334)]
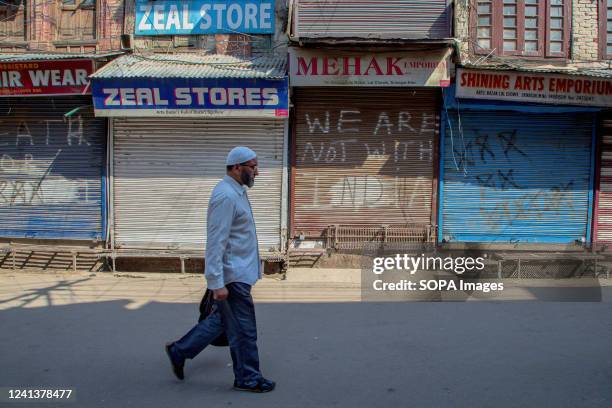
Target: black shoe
[(262, 385), (177, 369)]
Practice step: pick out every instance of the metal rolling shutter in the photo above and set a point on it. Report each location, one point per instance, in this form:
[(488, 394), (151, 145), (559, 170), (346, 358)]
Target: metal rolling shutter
[(516, 177), (51, 169), (165, 170), (373, 18), (363, 156), (604, 200)]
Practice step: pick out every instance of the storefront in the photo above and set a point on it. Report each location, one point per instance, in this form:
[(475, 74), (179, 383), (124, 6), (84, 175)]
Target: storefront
[(364, 142), (513, 171), (173, 123), (603, 204), (53, 150)]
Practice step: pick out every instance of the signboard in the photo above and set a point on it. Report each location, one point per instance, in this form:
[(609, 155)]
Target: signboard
[(534, 87), (42, 78), (196, 97), (339, 68), (191, 17)]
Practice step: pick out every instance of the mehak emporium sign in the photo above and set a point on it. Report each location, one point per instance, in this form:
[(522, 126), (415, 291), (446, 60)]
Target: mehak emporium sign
[(45, 78), (339, 68), (535, 87), (191, 17)]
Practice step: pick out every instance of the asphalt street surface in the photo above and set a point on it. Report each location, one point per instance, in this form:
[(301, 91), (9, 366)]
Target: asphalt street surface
[(346, 354)]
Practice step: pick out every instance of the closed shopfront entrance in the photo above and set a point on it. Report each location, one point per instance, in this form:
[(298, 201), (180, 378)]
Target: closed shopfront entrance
[(52, 168), (165, 170), (517, 177), (363, 157)]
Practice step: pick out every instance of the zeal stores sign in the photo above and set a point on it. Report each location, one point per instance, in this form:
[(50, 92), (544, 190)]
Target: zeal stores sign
[(534, 87), (192, 17), (190, 97)]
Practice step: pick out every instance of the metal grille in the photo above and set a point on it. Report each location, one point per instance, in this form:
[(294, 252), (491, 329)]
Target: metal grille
[(357, 237), (363, 161)]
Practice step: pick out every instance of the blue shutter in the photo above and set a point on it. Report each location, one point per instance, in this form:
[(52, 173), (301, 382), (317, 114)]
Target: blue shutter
[(516, 177), (51, 169)]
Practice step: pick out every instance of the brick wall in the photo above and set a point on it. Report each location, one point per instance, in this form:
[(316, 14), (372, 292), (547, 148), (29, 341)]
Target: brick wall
[(462, 14), (584, 25), (585, 29), (43, 19)]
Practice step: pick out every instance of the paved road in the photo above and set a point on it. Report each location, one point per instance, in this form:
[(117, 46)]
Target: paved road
[(107, 344)]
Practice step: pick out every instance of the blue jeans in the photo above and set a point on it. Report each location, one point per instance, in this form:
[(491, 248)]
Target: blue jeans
[(236, 315)]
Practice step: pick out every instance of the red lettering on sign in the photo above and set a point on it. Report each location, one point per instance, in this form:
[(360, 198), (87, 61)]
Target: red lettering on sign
[(307, 69), (374, 65), (392, 66)]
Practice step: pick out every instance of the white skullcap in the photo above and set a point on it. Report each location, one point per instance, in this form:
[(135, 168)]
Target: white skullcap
[(240, 154)]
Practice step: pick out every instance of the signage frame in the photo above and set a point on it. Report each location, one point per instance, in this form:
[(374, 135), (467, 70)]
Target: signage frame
[(315, 67), (167, 89), (194, 13), (502, 86), (50, 65)]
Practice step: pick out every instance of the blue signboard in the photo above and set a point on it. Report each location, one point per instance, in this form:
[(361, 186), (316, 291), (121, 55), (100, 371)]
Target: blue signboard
[(190, 17), (118, 97)]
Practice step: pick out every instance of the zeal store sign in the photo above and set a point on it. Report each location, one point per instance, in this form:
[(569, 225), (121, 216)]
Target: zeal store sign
[(534, 87), (190, 97), (42, 78), (191, 17), (339, 68)]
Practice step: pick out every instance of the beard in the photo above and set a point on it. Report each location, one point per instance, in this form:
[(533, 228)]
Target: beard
[(247, 180)]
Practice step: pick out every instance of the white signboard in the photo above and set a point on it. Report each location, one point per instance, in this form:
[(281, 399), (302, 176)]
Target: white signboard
[(342, 68), (195, 113), (534, 87)]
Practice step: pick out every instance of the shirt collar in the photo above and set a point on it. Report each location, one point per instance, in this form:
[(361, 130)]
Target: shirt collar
[(235, 185)]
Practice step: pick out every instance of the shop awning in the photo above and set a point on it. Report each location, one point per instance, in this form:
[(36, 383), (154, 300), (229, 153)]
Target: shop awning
[(191, 85)]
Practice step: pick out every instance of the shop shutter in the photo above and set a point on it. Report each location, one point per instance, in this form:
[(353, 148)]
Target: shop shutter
[(516, 177), (372, 19), (604, 200), (51, 169), (165, 170), (363, 156)]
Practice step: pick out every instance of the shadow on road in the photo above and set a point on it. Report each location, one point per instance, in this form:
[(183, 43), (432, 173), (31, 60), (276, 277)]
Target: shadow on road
[(488, 354)]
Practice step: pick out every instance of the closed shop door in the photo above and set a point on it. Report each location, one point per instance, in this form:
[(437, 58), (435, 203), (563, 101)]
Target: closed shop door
[(517, 178), (165, 170), (604, 200), (51, 169), (363, 156)]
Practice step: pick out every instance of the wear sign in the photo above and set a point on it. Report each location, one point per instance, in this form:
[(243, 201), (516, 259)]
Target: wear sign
[(337, 68), (188, 17), (39, 78), (190, 97), (534, 87)]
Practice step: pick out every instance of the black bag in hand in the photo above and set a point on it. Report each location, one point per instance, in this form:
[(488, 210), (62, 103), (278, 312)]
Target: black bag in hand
[(206, 307)]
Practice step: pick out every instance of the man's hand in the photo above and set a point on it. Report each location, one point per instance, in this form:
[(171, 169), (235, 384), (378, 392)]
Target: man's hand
[(220, 294)]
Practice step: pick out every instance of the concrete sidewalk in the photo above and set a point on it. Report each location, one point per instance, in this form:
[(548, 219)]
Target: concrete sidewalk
[(41, 289)]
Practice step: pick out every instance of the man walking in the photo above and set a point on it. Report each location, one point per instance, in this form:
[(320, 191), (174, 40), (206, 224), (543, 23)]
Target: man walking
[(232, 268)]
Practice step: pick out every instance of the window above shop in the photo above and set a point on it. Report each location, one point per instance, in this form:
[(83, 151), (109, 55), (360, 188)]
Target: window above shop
[(605, 29), (77, 20), (12, 20), (528, 28)]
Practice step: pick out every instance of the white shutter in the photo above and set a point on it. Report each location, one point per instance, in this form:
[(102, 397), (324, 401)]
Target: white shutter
[(165, 170)]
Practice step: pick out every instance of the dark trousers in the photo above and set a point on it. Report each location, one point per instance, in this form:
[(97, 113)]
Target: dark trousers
[(235, 315)]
